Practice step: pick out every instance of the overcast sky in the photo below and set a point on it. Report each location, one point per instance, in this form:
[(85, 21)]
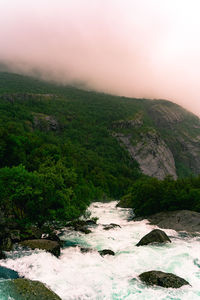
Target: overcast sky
[(138, 48)]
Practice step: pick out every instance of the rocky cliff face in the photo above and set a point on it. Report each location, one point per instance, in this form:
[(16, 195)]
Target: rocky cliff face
[(167, 144), (151, 152)]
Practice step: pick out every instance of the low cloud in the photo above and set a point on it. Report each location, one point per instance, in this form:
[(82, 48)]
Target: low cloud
[(136, 48)]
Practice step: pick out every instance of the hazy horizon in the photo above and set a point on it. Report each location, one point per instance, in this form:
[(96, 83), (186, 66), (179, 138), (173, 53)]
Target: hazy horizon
[(147, 48)]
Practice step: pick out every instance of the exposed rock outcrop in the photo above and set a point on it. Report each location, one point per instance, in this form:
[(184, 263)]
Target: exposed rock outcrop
[(167, 280), (45, 123), (152, 153), (155, 236), (50, 246)]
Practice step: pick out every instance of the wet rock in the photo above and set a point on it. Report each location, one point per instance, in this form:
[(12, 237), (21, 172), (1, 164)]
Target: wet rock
[(25, 289), (155, 236), (6, 273), (91, 222), (167, 280), (106, 252), (50, 246), (82, 229), (111, 226), (79, 225)]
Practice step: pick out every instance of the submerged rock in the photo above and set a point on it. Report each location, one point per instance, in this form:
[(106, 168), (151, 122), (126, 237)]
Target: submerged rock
[(6, 273), (50, 246), (111, 226), (167, 280), (106, 252), (24, 289), (155, 236)]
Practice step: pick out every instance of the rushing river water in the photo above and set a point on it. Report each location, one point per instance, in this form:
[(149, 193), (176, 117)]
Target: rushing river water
[(89, 276)]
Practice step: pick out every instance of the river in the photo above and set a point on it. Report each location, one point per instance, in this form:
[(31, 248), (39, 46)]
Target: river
[(89, 276)]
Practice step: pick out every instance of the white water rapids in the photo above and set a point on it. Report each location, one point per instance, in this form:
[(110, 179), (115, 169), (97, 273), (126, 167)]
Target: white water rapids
[(89, 276)]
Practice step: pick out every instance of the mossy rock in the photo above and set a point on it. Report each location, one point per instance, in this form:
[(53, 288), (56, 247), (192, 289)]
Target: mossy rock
[(47, 245), (24, 289)]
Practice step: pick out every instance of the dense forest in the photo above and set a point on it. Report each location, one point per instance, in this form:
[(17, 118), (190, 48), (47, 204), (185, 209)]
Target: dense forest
[(150, 195), (58, 153)]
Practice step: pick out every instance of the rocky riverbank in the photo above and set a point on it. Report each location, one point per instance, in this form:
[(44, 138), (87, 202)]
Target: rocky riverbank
[(179, 220)]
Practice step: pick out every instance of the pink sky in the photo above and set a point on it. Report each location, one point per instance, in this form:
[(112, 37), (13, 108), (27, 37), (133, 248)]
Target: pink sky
[(137, 48)]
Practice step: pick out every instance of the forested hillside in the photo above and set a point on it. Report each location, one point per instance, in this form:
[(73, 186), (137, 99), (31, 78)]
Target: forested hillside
[(61, 147)]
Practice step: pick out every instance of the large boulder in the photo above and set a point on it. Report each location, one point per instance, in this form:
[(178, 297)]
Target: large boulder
[(167, 280), (179, 220), (24, 289), (48, 245), (6, 273), (155, 236)]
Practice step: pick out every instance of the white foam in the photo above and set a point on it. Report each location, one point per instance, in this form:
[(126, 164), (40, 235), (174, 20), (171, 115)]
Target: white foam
[(80, 276)]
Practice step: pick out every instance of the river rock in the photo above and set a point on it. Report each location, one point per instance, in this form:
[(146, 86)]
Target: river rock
[(111, 226), (106, 252), (80, 225), (167, 280), (25, 289), (86, 250), (179, 220), (53, 237), (82, 229), (91, 221), (48, 245), (155, 236), (6, 273)]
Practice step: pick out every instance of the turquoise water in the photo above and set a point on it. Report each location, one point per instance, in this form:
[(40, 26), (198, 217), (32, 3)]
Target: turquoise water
[(77, 276)]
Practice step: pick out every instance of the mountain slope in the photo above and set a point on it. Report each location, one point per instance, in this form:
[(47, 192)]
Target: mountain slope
[(161, 136)]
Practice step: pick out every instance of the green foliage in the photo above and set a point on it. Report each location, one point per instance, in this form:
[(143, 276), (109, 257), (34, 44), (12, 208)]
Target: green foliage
[(149, 195), (49, 194), (58, 152)]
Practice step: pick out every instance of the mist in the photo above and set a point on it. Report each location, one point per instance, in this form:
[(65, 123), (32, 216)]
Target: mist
[(134, 48)]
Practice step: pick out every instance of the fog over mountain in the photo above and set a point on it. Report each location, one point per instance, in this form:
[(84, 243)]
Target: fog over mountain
[(137, 48)]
